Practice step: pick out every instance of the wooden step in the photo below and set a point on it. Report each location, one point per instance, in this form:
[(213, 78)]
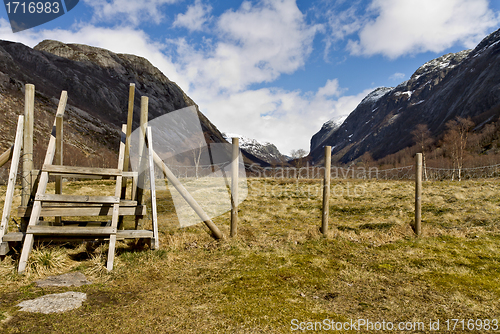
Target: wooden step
[(84, 210), (134, 234), (77, 199), (75, 170), (70, 230), (120, 235)]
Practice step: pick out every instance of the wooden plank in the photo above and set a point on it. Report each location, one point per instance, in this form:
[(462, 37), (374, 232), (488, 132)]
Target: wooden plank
[(29, 110), (13, 237), (149, 137), (116, 207), (217, 234), (5, 157), (133, 234), (77, 199), (9, 194), (103, 210), (42, 187), (75, 170), (70, 230), (120, 235)]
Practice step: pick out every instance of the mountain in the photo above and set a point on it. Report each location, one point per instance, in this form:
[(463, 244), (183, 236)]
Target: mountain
[(97, 82), (465, 84), (264, 151), (327, 130)]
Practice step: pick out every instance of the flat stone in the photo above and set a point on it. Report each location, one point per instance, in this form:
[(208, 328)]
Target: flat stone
[(69, 279), (54, 303)]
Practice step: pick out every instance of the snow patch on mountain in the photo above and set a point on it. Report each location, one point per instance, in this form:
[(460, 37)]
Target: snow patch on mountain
[(265, 151)]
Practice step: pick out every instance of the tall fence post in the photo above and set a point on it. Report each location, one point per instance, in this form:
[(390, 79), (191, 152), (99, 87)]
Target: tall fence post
[(59, 157), (142, 160), (418, 194), (29, 108), (326, 189), (234, 186)]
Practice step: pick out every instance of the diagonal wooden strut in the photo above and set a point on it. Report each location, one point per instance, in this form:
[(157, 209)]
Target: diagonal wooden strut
[(217, 234), (16, 153), (116, 206), (42, 187)]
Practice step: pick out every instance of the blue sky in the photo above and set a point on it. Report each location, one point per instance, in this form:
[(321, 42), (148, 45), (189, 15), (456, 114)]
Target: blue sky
[(275, 70)]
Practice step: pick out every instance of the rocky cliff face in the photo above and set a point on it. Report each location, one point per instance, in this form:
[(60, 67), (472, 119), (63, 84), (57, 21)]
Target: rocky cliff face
[(97, 82), (465, 84)]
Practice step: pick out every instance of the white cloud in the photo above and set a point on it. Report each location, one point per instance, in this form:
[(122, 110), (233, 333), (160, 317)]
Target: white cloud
[(217, 75), (397, 76), (129, 12), (287, 119), (278, 42), (412, 26), (195, 17)]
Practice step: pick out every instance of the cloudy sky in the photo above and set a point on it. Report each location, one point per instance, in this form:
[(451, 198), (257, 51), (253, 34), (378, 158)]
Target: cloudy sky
[(275, 70)]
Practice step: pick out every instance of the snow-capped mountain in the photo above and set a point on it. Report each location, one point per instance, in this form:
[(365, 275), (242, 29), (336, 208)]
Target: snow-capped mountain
[(465, 84), (265, 151)]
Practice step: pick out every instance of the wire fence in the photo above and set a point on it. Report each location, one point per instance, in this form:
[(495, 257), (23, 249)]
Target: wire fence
[(375, 173)]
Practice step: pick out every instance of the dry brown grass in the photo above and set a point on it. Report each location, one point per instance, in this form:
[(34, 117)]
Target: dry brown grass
[(280, 267)]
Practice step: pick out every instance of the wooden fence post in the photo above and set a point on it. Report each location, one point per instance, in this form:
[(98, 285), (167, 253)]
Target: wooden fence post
[(234, 186), (326, 189), (130, 118), (418, 194), (29, 108), (142, 159), (59, 157)]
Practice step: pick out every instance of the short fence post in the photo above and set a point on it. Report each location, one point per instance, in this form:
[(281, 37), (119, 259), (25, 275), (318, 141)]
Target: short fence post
[(418, 194), (234, 187), (326, 189)]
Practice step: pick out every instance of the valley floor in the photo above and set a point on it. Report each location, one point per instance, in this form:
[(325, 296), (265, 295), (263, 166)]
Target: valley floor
[(280, 273)]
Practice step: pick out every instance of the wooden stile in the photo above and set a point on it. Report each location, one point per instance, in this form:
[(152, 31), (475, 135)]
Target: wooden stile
[(60, 205)]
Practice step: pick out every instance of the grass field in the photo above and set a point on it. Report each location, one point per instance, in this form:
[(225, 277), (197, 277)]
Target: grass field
[(280, 267)]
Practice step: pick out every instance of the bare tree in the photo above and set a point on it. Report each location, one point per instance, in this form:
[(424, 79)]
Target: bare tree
[(455, 142), (297, 156), (422, 138)]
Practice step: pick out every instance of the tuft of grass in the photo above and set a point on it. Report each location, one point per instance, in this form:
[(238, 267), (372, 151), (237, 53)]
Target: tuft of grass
[(46, 260)]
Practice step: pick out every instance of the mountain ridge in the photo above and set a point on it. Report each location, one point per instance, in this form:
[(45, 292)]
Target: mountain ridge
[(463, 84)]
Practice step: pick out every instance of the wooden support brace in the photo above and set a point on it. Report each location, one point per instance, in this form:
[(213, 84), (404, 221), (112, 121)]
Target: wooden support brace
[(42, 187), (149, 138), (18, 143), (217, 234)]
